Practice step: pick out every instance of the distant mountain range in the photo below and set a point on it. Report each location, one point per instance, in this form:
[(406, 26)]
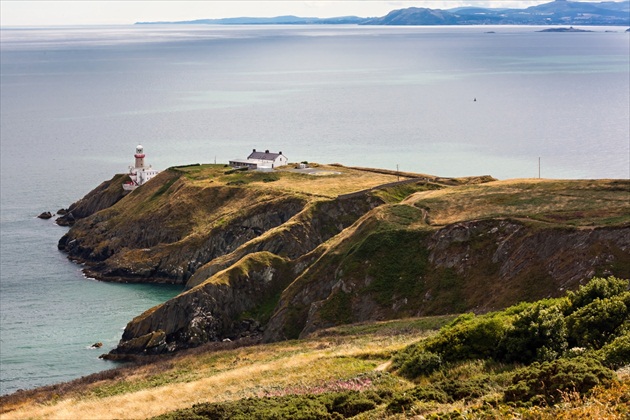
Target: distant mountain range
[(558, 12)]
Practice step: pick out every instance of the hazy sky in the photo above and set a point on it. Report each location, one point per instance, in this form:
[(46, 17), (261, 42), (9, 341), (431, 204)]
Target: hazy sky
[(76, 12)]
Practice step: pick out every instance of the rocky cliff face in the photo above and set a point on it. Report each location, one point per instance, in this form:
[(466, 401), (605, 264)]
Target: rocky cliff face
[(316, 223), (276, 264), (224, 308), (102, 197), (166, 230), (469, 266)]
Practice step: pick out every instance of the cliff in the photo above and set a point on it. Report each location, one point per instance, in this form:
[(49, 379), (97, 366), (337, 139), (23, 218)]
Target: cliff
[(104, 196), (281, 255)]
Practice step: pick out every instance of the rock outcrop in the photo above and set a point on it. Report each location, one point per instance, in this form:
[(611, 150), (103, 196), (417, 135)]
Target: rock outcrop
[(230, 306), (45, 215), (475, 266), (102, 197)]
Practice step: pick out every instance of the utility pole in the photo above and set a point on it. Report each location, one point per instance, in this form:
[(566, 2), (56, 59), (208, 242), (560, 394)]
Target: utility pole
[(397, 173), (538, 167)]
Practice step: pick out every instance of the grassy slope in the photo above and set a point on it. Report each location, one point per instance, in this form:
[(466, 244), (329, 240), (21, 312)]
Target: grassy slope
[(388, 246), (326, 361), (338, 359), (336, 181), (561, 202)]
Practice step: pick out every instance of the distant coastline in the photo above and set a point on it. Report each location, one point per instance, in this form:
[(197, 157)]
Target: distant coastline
[(558, 12)]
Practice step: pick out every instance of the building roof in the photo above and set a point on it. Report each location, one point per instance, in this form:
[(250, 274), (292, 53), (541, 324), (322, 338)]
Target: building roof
[(266, 155)]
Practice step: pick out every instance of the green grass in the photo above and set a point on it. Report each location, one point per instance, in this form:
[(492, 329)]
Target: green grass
[(164, 188), (561, 202), (398, 193), (337, 309)]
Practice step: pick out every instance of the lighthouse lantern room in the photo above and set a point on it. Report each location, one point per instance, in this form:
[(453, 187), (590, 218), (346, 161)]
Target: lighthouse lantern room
[(139, 173)]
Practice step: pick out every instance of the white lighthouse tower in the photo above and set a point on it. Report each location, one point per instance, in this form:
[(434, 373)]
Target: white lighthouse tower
[(139, 174), (139, 156)]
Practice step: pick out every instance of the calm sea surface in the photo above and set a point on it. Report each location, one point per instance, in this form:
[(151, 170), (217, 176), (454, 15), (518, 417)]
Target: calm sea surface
[(76, 101)]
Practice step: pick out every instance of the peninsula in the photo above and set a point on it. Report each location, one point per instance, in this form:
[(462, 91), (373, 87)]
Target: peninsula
[(279, 255)]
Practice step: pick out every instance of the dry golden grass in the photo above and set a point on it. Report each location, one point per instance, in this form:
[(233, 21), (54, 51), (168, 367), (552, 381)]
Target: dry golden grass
[(254, 371), (580, 202), (328, 181)]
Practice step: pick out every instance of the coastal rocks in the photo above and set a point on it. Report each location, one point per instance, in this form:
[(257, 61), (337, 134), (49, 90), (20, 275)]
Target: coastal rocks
[(104, 196), (187, 226), (97, 345), (212, 311), (45, 215), (148, 344), (66, 219)]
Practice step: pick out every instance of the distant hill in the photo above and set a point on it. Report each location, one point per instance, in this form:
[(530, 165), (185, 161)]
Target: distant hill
[(278, 20), (558, 12)]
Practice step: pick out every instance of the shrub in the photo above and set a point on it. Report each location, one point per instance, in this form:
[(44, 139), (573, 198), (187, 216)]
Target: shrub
[(596, 288), (463, 389), (401, 403), (594, 324), (475, 338), (431, 393), (616, 354), (539, 333), (547, 381), (332, 405), (350, 404), (419, 363)]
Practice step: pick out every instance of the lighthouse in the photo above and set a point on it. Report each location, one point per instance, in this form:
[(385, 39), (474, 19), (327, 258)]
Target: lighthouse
[(139, 174), (139, 156)]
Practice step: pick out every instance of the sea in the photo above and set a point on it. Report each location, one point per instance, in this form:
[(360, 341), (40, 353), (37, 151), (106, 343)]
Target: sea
[(506, 101)]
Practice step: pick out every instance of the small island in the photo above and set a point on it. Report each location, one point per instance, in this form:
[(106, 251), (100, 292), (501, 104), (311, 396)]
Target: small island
[(569, 29)]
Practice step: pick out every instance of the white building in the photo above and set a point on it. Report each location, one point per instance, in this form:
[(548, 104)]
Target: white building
[(261, 160), (139, 173)]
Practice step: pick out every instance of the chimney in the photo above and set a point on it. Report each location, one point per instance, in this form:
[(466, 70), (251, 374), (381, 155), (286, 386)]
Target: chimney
[(266, 151), (280, 153), (254, 150)]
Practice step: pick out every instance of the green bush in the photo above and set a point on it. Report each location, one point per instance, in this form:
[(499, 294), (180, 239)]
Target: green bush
[(594, 324), (547, 381), (616, 354), (332, 405), (474, 338), (420, 363), (350, 404), (538, 334), (463, 389), (401, 403), (596, 288), (431, 393)]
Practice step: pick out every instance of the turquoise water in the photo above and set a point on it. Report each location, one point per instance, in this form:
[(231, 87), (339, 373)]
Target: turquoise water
[(76, 101), (51, 314)]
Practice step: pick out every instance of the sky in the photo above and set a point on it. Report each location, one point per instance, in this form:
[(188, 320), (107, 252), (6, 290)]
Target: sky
[(89, 12)]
